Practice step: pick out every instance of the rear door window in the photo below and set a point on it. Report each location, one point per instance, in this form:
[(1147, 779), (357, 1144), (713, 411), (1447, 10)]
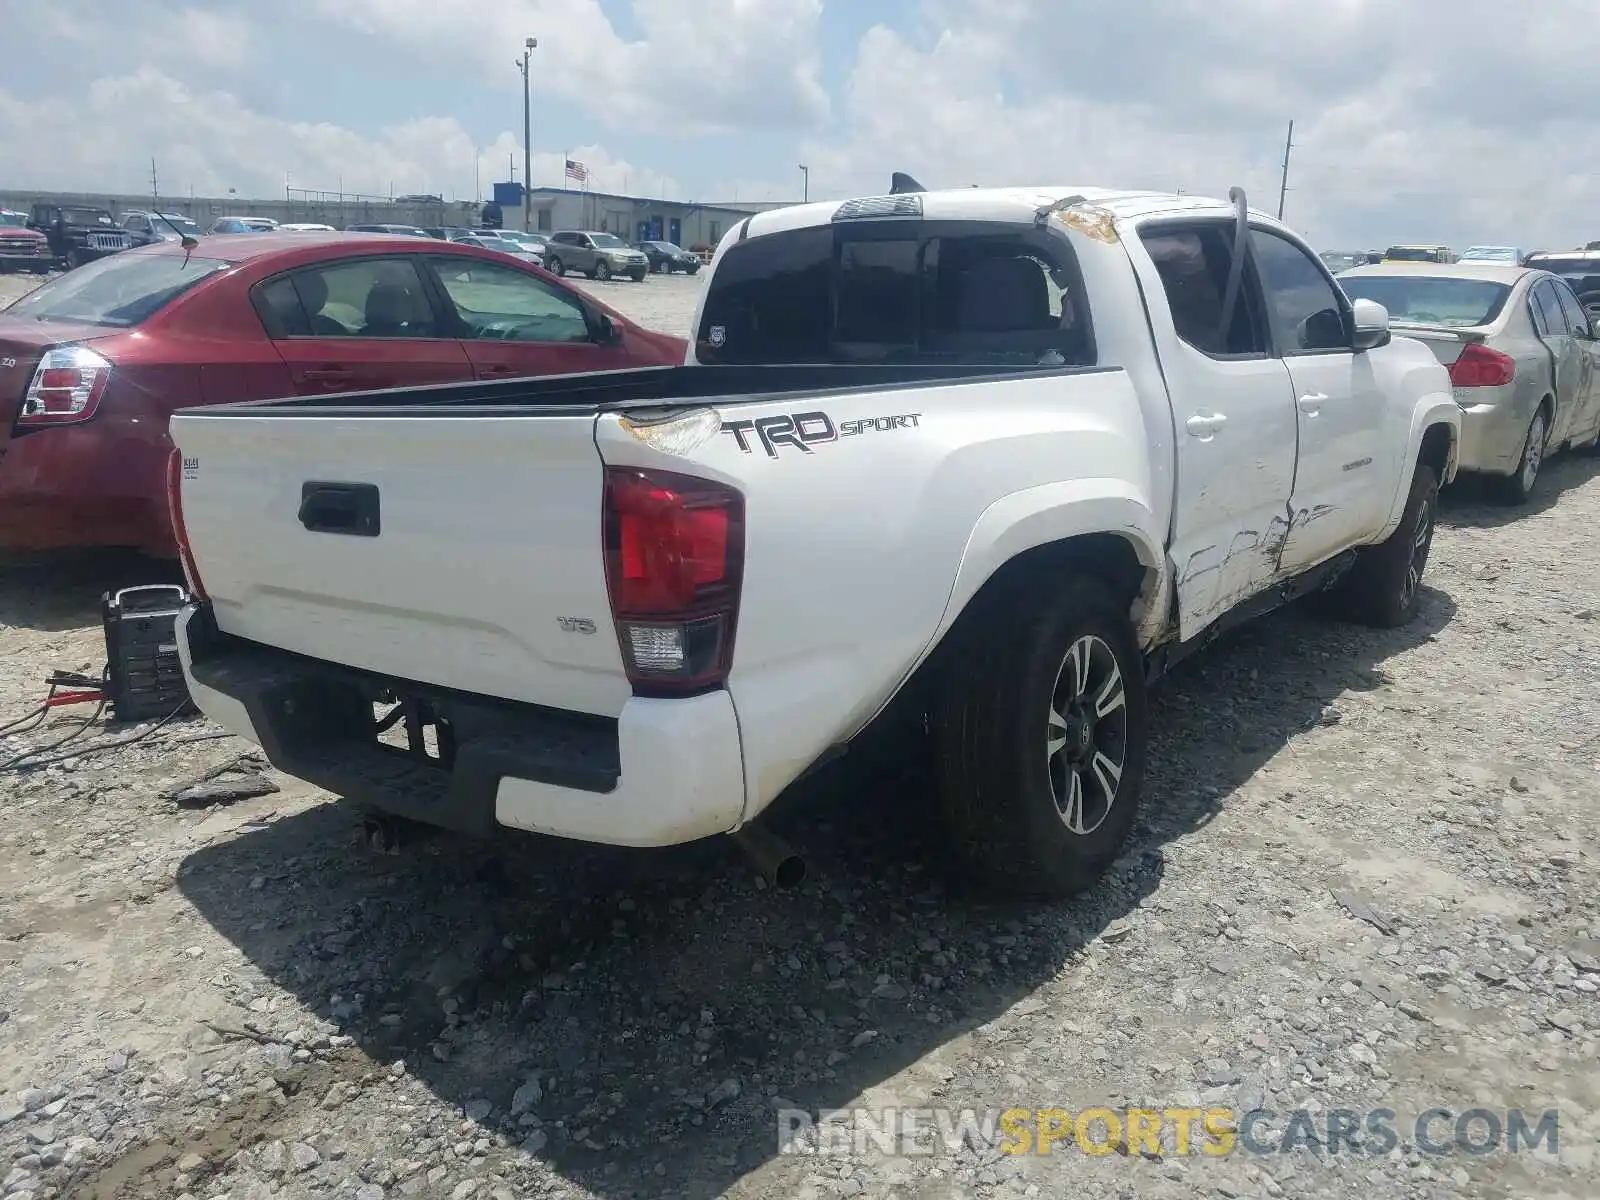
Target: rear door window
[(1193, 262), (1576, 321), (364, 298), (1549, 307), (897, 292)]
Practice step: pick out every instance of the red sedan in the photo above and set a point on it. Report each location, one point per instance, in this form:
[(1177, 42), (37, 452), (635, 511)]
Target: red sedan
[(93, 363)]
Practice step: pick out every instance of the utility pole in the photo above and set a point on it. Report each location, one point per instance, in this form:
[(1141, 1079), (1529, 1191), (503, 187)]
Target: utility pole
[(155, 193), (1283, 187), (805, 183), (528, 47)]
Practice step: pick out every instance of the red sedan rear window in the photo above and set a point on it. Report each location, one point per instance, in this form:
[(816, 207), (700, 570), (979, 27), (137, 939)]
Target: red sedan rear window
[(119, 291)]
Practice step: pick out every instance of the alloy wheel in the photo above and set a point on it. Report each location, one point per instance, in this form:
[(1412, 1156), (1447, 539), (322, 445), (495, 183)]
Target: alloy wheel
[(1086, 744), (1533, 455), (1421, 543)]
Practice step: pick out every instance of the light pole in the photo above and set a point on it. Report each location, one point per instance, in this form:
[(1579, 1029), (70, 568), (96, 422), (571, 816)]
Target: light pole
[(528, 47), (805, 183)]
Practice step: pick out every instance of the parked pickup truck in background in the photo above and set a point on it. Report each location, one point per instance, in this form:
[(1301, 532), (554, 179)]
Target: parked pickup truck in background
[(1007, 454)]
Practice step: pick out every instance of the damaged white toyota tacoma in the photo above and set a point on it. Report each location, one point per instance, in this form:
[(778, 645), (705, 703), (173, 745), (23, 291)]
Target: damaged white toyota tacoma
[(1005, 454)]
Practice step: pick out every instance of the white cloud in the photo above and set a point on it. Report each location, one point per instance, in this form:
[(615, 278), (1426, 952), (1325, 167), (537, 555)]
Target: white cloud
[(1397, 136), (211, 142), (699, 66), (1486, 135)]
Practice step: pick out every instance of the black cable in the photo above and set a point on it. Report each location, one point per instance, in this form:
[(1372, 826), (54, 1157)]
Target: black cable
[(37, 716), (11, 763), (16, 764)]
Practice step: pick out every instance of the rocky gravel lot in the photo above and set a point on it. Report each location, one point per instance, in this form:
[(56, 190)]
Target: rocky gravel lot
[(1365, 877)]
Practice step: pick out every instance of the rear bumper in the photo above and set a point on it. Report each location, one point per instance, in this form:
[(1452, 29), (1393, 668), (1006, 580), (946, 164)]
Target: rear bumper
[(664, 772), (1492, 436)]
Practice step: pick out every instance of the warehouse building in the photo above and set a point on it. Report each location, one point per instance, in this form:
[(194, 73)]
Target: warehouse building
[(633, 218)]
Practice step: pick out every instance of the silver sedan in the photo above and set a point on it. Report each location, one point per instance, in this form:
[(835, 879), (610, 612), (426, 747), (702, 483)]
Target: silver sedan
[(1522, 356)]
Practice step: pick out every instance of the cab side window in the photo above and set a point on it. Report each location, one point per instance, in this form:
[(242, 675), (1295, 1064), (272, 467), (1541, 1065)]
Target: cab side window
[(501, 304), (1193, 262), (1305, 306)]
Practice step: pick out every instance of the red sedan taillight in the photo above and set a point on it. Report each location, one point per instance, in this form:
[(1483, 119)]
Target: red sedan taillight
[(66, 387), (674, 549), (180, 532)]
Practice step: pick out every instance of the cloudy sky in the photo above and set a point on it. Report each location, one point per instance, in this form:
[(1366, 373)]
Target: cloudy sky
[(1463, 122)]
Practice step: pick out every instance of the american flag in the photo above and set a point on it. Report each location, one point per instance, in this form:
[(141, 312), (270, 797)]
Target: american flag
[(576, 170)]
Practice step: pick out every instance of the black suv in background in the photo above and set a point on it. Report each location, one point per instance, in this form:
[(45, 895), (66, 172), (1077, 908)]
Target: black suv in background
[(79, 233), (666, 258)]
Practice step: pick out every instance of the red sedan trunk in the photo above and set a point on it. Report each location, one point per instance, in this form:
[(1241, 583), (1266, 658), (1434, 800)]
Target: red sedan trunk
[(93, 364)]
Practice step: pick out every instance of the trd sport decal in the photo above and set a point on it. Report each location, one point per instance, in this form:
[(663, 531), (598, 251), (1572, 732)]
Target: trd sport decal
[(801, 431)]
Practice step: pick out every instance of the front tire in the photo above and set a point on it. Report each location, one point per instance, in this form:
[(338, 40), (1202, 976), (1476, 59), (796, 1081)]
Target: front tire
[(663, 267), (1384, 588), (1040, 730), (555, 267), (1517, 487), (601, 271)]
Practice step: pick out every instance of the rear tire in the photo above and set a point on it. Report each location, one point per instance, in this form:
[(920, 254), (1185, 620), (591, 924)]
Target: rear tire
[(1517, 487), (1040, 725), (1384, 588)]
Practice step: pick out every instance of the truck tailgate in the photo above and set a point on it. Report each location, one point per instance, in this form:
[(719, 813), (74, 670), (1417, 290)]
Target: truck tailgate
[(465, 553)]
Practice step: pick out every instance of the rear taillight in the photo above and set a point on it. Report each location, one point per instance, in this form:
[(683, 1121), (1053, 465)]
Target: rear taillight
[(180, 532), (674, 549), (1479, 366), (66, 387)]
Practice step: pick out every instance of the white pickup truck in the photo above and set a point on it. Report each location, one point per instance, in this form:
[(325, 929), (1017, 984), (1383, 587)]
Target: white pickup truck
[(1009, 453)]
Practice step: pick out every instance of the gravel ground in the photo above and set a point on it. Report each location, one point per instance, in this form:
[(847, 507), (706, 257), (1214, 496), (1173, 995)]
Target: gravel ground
[(1364, 878)]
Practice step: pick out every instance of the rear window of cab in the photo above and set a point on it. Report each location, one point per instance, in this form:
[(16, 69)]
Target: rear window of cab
[(898, 291)]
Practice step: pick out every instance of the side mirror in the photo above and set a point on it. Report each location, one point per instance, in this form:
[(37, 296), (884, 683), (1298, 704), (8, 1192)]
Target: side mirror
[(607, 331), (1371, 321)]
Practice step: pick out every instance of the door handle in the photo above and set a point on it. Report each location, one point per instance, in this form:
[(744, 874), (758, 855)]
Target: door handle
[(1205, 425), (1311, 403)]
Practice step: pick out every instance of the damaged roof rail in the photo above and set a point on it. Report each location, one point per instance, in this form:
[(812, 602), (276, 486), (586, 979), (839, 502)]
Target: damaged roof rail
[(1042, 214)]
